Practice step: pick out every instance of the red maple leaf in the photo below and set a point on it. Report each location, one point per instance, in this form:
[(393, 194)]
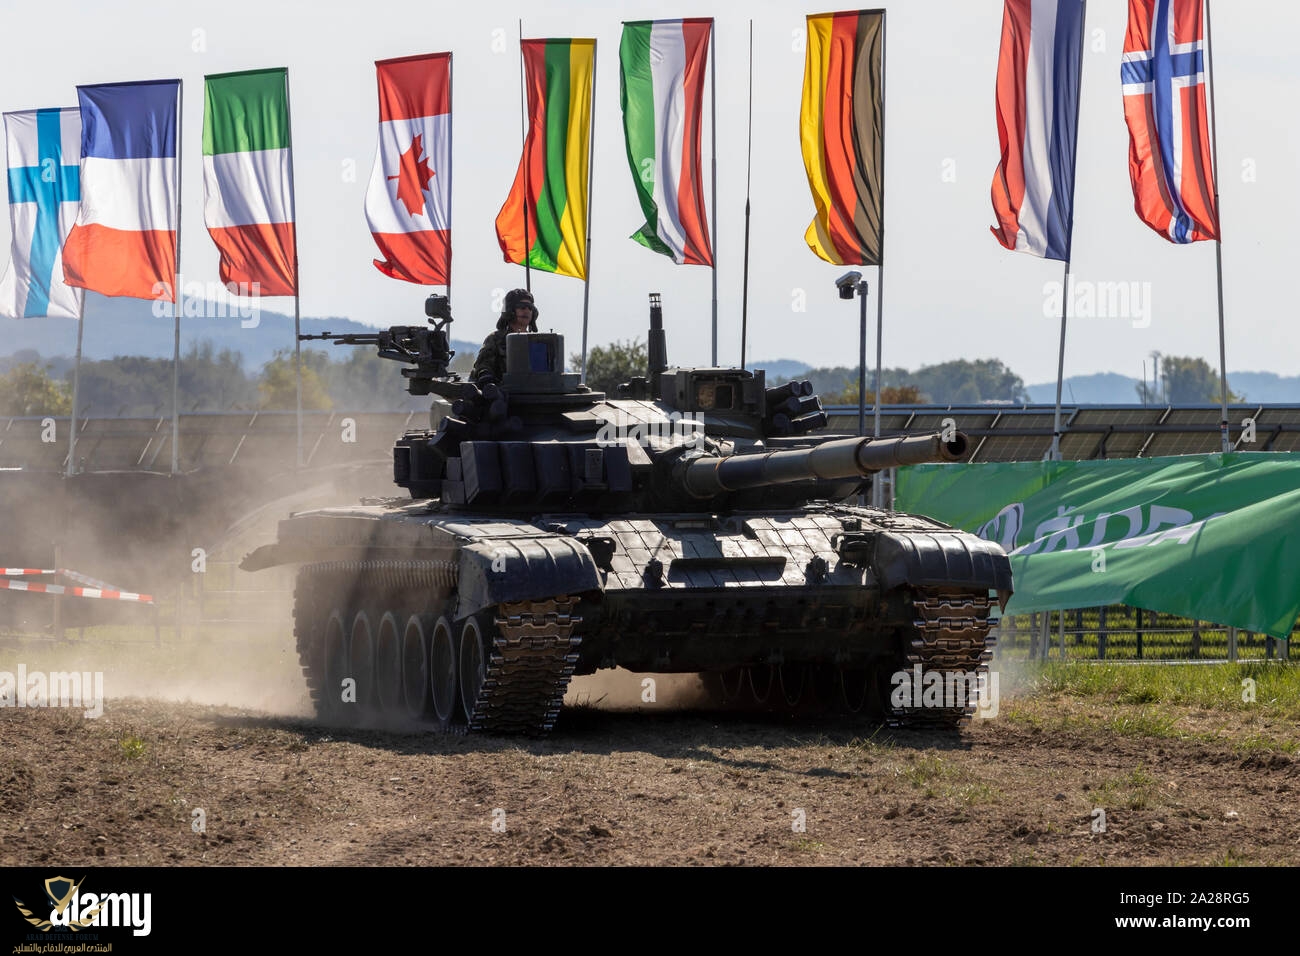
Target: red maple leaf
[(413, 177)]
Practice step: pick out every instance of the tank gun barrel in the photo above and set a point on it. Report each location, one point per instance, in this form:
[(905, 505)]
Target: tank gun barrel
[(833, 460)]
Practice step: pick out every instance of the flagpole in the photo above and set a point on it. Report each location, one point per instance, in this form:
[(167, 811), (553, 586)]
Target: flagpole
[(586, 272), (1225, 439), (451, 159), (76, 386), (1060, 364), (713, 115), (877, 488), (176, 291), (1069, 242), (297, 278), (749, 154), (523, 139)]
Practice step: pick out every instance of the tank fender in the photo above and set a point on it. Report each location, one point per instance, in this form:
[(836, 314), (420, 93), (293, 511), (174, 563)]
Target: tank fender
[(523, 569), (937, 558)]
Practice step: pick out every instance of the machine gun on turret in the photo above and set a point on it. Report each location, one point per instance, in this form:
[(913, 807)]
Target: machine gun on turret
[(429, 350)]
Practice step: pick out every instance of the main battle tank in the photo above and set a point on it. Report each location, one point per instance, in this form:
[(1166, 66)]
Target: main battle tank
[(696, 523)]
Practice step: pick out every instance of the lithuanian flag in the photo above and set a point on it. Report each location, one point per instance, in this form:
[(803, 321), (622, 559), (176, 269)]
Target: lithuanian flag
[(841, 126), (545, 215)]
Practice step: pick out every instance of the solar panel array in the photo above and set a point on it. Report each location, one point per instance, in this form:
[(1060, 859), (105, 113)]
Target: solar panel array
[(997, 433)]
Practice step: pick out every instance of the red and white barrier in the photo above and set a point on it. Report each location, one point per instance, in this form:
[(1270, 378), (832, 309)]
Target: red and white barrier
[(6, 583)]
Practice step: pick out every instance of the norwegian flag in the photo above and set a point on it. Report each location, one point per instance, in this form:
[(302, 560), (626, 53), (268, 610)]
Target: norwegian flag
[(1164, 104)]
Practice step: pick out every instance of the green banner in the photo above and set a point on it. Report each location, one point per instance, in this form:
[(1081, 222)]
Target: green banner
[(1211, 537)]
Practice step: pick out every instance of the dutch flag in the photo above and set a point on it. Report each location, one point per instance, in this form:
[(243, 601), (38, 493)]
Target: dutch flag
[(1038, 109)]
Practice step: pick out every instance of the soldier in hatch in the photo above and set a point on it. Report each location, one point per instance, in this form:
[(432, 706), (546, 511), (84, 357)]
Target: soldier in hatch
[(520, 315)]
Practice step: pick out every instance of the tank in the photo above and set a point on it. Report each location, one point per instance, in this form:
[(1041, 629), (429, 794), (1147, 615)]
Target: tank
[(697, 522)]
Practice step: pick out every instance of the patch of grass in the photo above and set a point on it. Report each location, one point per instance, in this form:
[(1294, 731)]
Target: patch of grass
[(808, 846), (1257, 743), (1147, 722), (1234, 857), (1136, 790), (926, 769), (1275, 687), (132, 747), (976, 793)]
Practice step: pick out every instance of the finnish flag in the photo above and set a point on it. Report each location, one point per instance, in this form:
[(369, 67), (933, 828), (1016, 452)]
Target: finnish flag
[(44, 150)]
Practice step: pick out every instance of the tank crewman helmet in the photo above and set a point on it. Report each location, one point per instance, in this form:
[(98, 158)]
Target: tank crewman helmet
[(515, 298)]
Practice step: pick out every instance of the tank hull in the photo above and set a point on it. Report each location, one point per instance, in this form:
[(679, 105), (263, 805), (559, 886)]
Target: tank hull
[(480, 620)]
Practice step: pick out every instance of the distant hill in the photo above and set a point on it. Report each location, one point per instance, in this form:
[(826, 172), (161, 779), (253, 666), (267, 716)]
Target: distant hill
[(119, 326), (780, 371), (1111, 388), (1101, 388)]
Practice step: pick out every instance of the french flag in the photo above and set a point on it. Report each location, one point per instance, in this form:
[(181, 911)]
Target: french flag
[(1038, 110), (1170, 145), (124, 239)]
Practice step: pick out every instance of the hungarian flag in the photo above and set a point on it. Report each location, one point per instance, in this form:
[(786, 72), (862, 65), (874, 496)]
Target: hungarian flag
[(545, 215), (1169, 163), (44, 147), (1038, 112), (248, 180), (661, 82), (841, 127), (124, 240), (408, 202)]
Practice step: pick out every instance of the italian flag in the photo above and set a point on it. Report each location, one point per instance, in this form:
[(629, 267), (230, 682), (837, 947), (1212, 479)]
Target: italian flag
[(661, 71), (248, 179), (545, 215)]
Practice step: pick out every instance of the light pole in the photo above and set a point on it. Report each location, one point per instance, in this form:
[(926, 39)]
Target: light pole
[(848, 284)]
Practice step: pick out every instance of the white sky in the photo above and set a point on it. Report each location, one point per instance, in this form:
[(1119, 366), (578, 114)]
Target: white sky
[(951, 291)]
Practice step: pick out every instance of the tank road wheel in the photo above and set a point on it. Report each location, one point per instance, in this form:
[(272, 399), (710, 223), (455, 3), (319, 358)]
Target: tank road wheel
[(791, 678), (336, 668), (854, 688), (762, 678), (415, 667), (825, 686), (733, 685), (473, 665), (388, 667), (361, 659), (444, 682)]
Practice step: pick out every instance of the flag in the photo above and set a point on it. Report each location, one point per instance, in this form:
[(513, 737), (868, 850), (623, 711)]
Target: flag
[(248, 180), (1164, 104), (44, 149), (124, 239), (545, 214), (1038, 112), (408, 202), (661, 83), (841, 128)]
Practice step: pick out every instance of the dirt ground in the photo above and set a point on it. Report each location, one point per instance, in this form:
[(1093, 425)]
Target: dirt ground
[(192, 766)]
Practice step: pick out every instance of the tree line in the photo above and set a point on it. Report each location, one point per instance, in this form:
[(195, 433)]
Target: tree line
[(212, 380)]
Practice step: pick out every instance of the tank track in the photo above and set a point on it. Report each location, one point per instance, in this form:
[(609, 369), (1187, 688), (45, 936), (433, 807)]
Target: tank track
[(350, 585), (534, 653), (949, 634)]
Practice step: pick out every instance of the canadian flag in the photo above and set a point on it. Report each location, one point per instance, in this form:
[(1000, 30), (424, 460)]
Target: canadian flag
[(408, 201)]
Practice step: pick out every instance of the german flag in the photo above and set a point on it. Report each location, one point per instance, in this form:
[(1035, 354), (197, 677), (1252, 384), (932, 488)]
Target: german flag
[(545, 215), (841, 127)]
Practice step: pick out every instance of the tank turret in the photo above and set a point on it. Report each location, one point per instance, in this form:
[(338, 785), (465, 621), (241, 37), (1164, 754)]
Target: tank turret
[(696, 520)]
